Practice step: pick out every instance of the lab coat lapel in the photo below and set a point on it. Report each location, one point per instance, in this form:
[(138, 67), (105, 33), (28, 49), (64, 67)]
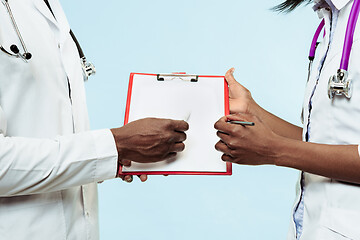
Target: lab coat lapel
[(44, 10), (63, 24), (59, 22)]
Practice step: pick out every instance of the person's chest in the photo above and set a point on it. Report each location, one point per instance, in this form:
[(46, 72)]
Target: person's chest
[(49, 87), (333, 120)]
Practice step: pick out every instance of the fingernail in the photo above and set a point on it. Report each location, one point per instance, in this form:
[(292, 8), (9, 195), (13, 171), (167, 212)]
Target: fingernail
[(128, 179), (232, 70)]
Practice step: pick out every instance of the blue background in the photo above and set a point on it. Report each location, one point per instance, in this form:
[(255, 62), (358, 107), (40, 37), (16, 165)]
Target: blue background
[(268, 50)]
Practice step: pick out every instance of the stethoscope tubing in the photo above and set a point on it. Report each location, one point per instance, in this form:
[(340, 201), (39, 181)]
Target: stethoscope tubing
[(349, 36), (87, 67), (314, 41), (6, 3)]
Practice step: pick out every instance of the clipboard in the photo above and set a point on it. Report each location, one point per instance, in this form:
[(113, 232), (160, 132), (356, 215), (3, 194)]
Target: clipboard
[(198, 99)]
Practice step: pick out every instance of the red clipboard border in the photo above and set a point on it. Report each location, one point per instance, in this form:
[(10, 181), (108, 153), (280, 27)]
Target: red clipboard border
[(126, 120)]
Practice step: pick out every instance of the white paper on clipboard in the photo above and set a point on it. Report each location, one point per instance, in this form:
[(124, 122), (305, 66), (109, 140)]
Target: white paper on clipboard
[(198, 100)]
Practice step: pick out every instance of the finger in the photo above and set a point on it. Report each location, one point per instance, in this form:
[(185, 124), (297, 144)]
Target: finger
[(180, 137), (227, 158), (229, 76), (177, 147), (143, 177), (126, 178), (180, 125), (222, 147), (170, 156), (223, 136), (222, 125), (230, 79), (220, 121), (129, 178), (126, 163), (240, 117)]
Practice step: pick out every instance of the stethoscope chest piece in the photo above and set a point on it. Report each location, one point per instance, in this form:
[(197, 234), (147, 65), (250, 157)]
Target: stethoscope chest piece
[(340, 84), (88, 68)]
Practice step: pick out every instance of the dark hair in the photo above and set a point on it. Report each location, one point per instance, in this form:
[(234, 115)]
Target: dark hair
[(289, 5)]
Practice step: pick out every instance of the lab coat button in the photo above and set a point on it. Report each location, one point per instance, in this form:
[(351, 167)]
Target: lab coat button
[(59, 45)]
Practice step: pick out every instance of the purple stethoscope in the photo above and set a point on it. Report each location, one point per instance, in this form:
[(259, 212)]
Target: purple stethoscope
[(340, 84)]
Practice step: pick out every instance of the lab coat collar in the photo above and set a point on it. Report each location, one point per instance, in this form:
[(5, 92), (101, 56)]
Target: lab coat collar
[(339, 4), (44, 10), (59, 22)]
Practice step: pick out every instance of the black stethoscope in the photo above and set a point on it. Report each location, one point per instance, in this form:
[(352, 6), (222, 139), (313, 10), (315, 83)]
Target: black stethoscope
[(88, 68)]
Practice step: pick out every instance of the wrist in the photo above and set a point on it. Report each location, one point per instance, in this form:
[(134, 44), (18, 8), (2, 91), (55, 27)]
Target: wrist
[(280, 151), (116, 135)]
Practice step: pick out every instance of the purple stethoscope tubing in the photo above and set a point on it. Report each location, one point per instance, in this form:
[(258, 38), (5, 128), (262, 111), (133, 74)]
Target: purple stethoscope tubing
[(314, 41), (349, 36)]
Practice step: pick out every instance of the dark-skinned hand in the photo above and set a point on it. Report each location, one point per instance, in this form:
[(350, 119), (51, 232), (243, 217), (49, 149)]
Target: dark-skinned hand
[(149, 140), (240, 98), (248, 145)]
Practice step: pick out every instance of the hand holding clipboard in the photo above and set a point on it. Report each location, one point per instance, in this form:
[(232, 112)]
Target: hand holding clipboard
[(199, 100)]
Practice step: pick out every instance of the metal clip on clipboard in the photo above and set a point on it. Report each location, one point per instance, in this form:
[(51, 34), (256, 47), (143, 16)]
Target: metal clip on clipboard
[(183, 77)]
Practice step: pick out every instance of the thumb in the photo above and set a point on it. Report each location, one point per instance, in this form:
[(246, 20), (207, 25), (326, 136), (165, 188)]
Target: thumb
[(229, 76), (233, 84), (236, 90)]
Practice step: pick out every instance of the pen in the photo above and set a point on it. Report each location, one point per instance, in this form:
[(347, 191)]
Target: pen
[(242, 123)]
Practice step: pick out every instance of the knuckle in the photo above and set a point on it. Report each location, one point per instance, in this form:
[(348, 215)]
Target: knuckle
[(232, 130), (164, 149), (233, 153), (167, 123), (231, 144), (169, 135), (166, 137)]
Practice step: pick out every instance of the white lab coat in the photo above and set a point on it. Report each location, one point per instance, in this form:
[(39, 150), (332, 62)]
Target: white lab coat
[(49, 161), (332, 208)]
